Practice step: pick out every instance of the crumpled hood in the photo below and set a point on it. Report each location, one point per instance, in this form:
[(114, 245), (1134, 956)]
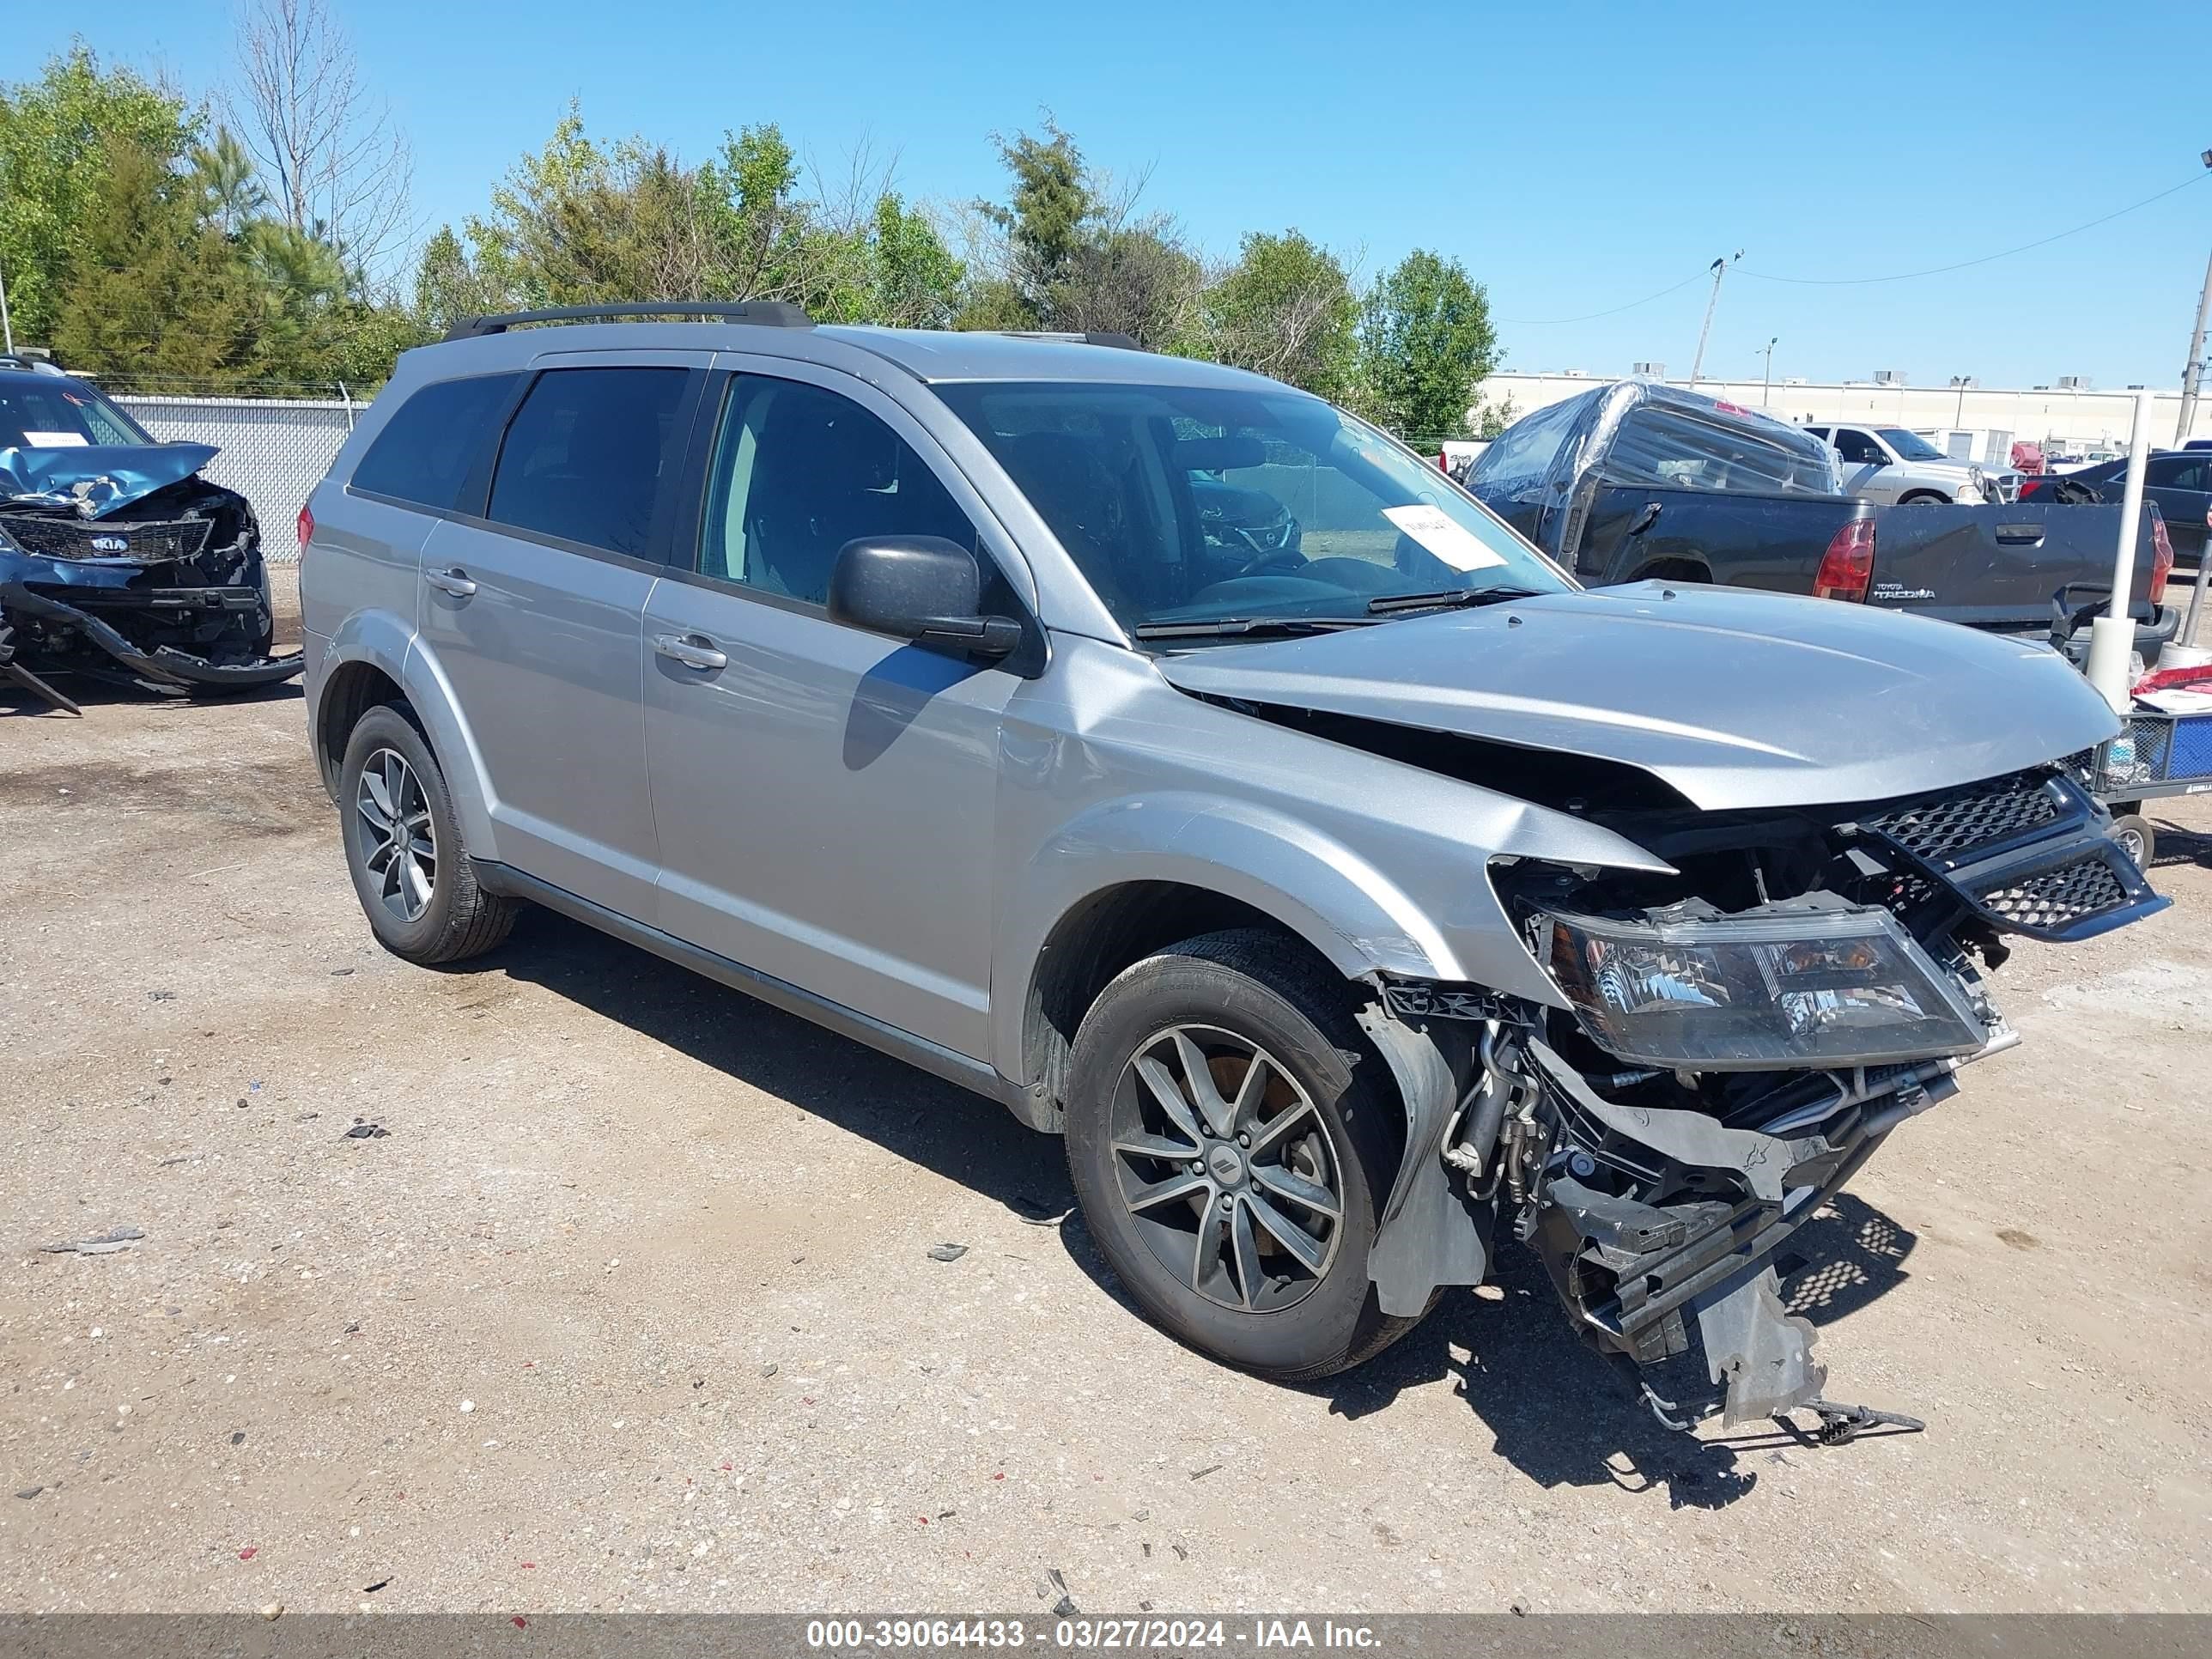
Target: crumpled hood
[(1735, 698), (97, 479)]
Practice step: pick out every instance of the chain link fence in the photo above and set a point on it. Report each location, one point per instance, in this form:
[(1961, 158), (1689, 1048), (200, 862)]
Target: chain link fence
[(274, 450)]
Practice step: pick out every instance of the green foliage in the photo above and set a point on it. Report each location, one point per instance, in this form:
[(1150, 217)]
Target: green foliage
[(141, 251), (1286, 309), (154, 291), (58, 137), (1076, 259), (1424, 341), (584, 223), (144, 245)]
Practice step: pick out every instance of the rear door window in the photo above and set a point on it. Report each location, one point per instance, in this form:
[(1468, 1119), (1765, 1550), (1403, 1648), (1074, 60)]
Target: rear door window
[(1666, 448), (427, 448), (2177, 472), (585, 453)]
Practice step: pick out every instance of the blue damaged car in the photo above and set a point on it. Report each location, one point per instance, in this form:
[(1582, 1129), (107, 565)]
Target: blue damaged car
[(117, 559)]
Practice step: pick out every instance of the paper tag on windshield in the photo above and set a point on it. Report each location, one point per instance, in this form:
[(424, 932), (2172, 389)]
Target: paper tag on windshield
[(1443, 535), (53, 439)]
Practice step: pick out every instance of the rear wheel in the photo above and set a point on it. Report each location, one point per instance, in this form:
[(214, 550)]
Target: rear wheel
[(402, 846), (1232, 1139)]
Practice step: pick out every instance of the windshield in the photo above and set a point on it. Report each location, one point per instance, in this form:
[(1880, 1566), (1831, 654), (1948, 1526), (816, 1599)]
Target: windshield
[(43, 412), (1194, 504), (1911, 446)]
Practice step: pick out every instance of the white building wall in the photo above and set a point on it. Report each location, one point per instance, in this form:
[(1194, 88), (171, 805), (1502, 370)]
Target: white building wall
[(2082, 417)]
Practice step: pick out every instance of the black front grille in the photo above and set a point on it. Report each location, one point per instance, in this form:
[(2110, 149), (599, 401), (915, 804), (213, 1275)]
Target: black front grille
[(2058, 897), (1981, 816), (75, 539)]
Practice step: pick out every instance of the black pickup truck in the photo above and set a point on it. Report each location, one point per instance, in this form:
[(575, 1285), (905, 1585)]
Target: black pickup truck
[(1632, 480)]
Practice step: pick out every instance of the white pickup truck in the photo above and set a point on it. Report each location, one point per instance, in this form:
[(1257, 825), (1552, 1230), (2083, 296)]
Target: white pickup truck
[(1891, 464)]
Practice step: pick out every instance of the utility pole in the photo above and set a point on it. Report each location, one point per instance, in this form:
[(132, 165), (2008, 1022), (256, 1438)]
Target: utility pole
[(8, 328), (1720, 270), (1766, 376), (2192, 374)]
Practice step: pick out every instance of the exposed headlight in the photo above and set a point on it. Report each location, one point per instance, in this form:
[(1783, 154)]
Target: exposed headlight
[(1843, 988)]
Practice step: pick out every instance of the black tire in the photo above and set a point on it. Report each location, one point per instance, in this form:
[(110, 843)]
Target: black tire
[(1923, 498), (2134, 832), (460, 920), (1266, 991)]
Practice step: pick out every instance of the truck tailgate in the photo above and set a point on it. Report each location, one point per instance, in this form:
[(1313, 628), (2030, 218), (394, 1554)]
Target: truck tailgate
[(1998, 567)]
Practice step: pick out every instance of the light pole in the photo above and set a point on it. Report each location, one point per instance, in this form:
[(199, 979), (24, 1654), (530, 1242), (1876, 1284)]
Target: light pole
[(2192, 373), (1766, 376), (1720, 270), (7, 328)]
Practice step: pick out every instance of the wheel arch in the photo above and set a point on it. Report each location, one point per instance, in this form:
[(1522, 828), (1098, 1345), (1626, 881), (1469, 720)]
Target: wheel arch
[(1128, 878), (375, 659)]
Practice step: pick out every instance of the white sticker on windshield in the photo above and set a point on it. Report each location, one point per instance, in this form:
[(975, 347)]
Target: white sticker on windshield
[(53, 440), (1443, 535)]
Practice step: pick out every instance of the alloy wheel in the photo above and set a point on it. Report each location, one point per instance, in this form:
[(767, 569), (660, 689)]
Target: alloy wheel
[(399, 847), (1229, 1173)]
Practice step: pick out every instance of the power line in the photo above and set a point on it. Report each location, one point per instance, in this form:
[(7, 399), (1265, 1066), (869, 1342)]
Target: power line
[(1548, 322), (1937, 270)]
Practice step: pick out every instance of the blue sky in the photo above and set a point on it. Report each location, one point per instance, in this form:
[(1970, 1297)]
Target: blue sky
[(1576, 157)]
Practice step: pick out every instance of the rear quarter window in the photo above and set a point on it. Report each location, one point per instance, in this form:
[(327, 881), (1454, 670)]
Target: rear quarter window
[(1665, 448), (425, 453)]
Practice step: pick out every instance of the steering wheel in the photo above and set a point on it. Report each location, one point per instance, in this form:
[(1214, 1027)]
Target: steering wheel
[(1285, 558)]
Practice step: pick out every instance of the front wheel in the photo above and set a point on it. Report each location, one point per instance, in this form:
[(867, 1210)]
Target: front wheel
[(1923, 498), (1232, 1139)]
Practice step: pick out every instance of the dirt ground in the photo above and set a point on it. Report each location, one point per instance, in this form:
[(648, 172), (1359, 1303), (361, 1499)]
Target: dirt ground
[(630, 1305)]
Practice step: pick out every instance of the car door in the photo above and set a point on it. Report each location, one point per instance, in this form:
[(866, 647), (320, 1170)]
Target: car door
[(1866, 465), (532, 610), (825, 797), (2179, 484)]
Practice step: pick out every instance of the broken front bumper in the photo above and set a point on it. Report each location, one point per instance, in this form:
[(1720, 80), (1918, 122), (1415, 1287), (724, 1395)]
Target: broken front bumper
[(104, 603), (1630, 1273)]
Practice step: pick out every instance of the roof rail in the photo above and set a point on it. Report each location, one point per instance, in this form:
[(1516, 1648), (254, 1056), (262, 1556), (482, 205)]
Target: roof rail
[(766, 313), (1097, 337)]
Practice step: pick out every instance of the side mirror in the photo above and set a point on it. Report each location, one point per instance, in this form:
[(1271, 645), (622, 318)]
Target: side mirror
[(922, 588)]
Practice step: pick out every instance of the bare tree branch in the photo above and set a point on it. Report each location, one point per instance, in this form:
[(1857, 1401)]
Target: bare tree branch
[(339, 168)]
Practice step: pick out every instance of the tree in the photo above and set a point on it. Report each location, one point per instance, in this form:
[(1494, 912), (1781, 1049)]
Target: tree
[(55, 153), (154, 291), (1424, 341), (231, 194), (584, 223), (1073, 254), (338, 167), (1286, 309)]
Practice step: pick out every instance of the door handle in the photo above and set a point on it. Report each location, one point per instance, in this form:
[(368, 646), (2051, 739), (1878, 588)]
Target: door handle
[(454, 581), (692, 652)]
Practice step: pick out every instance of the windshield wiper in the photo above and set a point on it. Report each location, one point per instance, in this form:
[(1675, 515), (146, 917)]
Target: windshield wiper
[(1449, 599), (1222, 627)]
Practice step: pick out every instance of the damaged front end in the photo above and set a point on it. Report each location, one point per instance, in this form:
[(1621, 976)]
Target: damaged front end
[(121, 562), (1741, 1036)]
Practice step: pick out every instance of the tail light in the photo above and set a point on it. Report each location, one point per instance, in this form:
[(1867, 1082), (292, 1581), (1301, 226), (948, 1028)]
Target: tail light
[(2028, 487), (2162, 561), (1847, 568), (306, 526), (1443, 461)]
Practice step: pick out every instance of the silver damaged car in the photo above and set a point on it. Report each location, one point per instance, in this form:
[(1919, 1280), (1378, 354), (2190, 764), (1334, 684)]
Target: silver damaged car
[(1185, 764)]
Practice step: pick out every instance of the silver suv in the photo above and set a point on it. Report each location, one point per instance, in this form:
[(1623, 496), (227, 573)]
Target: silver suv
[(1183, 763)]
